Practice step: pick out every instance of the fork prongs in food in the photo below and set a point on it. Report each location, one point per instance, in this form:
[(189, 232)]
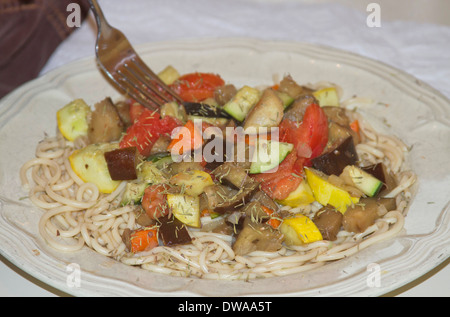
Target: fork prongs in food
[(142, 81)]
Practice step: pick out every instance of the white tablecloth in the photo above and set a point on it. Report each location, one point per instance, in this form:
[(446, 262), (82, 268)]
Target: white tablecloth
[(421, 49)]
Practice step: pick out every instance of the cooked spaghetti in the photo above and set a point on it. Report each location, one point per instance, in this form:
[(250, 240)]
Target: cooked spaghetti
[(78, 214)]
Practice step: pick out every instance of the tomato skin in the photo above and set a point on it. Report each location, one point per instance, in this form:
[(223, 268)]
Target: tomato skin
[(195, 87), (147, 129), (309, 136), (154, 201), (287, 178)]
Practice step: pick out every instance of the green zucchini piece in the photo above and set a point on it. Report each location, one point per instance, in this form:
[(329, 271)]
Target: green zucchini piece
[(242, 102), (268, 155), (364, 181)]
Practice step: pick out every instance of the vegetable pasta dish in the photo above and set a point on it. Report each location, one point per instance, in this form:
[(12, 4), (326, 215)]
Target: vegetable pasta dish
[(233, 183)]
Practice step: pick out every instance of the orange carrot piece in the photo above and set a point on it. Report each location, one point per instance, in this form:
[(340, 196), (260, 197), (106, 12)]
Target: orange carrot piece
[(142, 240), (187, 139), (355, 126), (273, 222)]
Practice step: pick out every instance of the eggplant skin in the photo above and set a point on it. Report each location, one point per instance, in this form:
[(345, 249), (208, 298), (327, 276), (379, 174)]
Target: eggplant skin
[(172, 231), (335, 160), (122, 163), (205, 110)]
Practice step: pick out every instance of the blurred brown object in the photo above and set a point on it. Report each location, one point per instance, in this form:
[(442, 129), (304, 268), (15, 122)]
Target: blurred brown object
[(30, 31)]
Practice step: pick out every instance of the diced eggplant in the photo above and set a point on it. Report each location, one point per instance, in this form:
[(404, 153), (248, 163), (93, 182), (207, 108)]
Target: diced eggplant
[(123, 109), (122, 163), (161, 144), (105, 124), (173, 232), (204, 110), (380, 172), (296, 111), (264, 199), (144, 220), (359, 217), (338, 133), (254, 210), (329, 221), (268, 111), (230, 174), (223, 94), (257, 236), (337, 115), (289, 86), (126, 238), (336, 159), (223, 199)]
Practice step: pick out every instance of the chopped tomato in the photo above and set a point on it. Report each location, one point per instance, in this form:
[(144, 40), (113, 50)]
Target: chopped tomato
[(188, 138), (310, 136), (154, 201), (147, 129), (142, 240), (280, 184), (195, 87)]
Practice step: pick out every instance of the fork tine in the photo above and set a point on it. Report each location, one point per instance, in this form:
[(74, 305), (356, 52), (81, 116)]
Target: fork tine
[(146, 82), (149, 74), (142, 96)]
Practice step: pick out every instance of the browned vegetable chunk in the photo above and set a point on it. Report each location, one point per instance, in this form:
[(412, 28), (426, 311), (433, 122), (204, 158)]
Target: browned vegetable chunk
[(296, 111), (123, 109), (105, 124), (223, 94), (335, 160), (289, 86), (172, 231), (268, 112), (264, 199), (230, 174), (126, 238), (338, 133), (337, 115), (329, 221), (359, 217), (257, 236), (122, 163), (223, 199), (255, 212)]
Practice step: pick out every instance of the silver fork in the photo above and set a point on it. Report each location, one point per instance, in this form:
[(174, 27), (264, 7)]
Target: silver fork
[(120, 62)]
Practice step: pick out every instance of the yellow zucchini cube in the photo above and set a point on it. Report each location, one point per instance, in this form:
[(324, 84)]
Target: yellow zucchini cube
[(168, 75), (303, 195), (327, 97), (328, 194), (90, 165), (299, 229), (73, 119), (193, 181), (185, 208)]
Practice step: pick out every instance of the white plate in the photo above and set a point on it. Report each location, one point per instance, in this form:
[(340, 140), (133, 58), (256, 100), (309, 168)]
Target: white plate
[(407, 107)]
